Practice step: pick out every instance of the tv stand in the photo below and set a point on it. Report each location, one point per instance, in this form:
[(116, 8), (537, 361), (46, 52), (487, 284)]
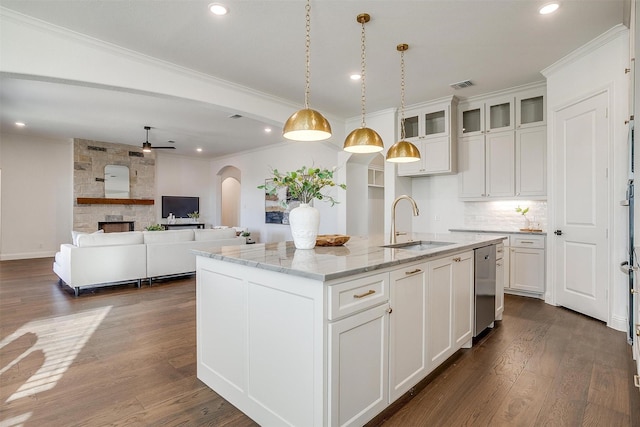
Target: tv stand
[(183, 224)]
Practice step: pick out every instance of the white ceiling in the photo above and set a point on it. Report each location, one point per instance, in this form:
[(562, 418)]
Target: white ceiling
[(496, 44)]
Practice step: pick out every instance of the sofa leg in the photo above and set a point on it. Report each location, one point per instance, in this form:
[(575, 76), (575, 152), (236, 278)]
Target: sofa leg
[(150, 281), (76, 290), (139, 283)]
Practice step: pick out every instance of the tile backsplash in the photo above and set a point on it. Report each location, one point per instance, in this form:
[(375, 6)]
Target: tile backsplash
[(502, 214)]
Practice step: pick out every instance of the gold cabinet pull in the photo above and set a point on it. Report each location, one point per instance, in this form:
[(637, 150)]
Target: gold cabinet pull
[(417, 270), (457, 259), (636, 380), (371, 292), (638, 330)]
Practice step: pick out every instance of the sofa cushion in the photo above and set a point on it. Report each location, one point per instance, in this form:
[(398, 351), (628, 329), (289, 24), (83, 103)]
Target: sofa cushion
[(214, 234), (111, 239), (76, 234), (168, 236)]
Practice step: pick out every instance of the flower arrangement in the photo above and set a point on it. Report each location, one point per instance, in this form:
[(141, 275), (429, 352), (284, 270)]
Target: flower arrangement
[(304, 184), (194, 215)]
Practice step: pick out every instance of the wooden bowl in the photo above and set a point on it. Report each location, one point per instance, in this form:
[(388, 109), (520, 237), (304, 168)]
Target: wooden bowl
[(331, 239)]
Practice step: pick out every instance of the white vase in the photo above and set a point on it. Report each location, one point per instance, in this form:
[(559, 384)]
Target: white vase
[(527, 224), (304, 222)]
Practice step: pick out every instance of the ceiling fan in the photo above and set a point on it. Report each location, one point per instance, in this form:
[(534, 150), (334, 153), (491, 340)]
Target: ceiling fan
[(146, 146)]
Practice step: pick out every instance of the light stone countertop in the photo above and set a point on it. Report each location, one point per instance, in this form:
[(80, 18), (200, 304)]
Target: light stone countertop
[(358, 255), (496, 231)]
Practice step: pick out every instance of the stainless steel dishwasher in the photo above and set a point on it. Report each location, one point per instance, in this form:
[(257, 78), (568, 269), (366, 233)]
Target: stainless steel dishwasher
[(485, 288)]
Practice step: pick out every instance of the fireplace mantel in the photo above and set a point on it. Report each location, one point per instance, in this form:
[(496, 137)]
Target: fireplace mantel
[(105, 201)]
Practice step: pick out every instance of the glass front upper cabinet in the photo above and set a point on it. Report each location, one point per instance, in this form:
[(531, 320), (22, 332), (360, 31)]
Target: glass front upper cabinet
[(429, 120), (531, 108)]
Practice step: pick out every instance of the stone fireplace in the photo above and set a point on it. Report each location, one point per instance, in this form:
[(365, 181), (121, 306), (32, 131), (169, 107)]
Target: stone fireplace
[(90, 159)]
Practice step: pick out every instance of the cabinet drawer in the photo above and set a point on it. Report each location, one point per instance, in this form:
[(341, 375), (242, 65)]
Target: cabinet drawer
[(356, 295), (527, 242)]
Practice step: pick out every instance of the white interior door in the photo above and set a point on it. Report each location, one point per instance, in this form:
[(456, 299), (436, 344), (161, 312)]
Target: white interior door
[(581, 136)]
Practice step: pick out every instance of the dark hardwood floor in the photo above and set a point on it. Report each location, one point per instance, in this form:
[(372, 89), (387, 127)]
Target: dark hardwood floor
[(124, 356)]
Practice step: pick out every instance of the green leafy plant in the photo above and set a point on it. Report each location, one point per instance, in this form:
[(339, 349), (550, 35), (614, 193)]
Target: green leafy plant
[(521, 211), (245, 234), (304, 184), (194, 215), (154, 227)]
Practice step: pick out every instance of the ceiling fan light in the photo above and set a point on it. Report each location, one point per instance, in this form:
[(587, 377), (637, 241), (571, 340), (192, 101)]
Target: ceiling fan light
[(307, 125), (403, 152), (363, 140), (146, 147)]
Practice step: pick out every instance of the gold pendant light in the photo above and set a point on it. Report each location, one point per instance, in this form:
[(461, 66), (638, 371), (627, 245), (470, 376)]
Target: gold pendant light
[(363, 140), (402, 151), (307, 124)]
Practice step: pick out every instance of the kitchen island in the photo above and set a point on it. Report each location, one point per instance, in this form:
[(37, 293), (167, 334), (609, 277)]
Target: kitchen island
[(330, 336)]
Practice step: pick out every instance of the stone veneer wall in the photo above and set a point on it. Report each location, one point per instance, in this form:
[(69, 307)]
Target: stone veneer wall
[(90, 158)]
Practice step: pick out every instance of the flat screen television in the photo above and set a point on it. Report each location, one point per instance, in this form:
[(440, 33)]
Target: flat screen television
[(179, 206)]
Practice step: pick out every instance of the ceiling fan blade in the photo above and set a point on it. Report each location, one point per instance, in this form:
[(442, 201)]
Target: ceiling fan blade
[(163, 148)]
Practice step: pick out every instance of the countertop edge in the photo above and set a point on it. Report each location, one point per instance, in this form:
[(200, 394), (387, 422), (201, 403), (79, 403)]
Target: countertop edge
[(405, 256)]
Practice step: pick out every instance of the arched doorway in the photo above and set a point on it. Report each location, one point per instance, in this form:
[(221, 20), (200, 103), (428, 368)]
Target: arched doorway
[(230, 185)]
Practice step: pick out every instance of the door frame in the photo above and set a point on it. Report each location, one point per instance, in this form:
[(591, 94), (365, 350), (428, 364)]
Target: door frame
[(551, 246)]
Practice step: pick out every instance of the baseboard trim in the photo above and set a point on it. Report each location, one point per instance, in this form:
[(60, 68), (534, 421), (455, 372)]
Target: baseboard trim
[(26, 255)]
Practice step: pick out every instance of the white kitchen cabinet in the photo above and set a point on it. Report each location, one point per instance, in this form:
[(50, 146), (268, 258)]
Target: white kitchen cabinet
[(500, 273), (486, 115), (408, 362), (358, 366), (531, 108), (531, 162), (472, 167), (450, 302), (500, 169), (502, 146), (429, 127), (487, 166), (527, 264)]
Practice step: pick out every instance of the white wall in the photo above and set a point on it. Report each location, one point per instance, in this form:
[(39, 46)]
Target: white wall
[(37, 195), (598, 66), (185, 176)]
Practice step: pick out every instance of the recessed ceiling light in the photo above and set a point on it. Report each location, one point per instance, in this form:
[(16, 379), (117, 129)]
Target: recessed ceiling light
[(549, 8), (199, 150), (267, 130), (355, 76), (20, 124), (218, 9)]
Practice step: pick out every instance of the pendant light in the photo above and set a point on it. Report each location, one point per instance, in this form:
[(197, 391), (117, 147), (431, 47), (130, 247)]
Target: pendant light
[(363, 139), (402, 151), (307, 124)]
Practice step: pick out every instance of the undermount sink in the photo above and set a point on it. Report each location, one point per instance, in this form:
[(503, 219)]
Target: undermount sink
[(418, 245)]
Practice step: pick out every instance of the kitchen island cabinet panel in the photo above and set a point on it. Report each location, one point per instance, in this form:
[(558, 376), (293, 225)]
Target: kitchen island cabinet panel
[(408, 326), (358, 367), (451, 309)]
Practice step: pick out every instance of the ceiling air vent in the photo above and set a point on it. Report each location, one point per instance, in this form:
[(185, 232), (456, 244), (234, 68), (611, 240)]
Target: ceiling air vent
[(462, 84), (235, 116)]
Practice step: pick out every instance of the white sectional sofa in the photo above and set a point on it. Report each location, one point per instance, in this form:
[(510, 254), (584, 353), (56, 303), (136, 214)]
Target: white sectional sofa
[(102, 259)]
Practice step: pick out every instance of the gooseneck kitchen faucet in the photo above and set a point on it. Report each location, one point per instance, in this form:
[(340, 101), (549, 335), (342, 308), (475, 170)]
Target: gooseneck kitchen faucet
[(416, 212)]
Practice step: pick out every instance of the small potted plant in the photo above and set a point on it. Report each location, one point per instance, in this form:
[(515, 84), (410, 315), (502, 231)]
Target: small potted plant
[(154, 227), (523, 212), (195, 215), (247, 236)]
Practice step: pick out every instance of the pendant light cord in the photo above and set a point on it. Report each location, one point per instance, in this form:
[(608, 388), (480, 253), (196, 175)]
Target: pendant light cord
[(402, 131), (307, 48), (363, 61)]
